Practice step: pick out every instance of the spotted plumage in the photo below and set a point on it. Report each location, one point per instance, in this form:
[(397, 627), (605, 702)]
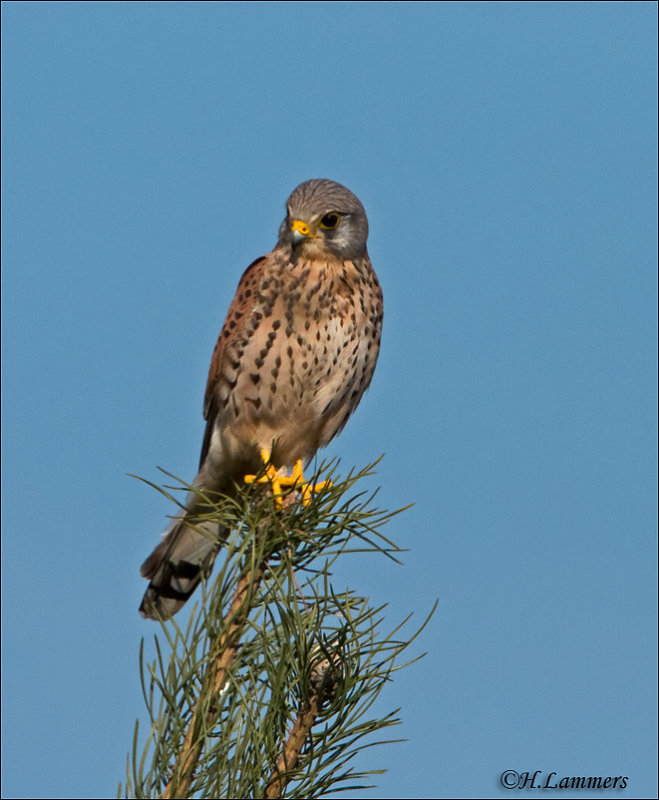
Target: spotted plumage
[(296, 353)]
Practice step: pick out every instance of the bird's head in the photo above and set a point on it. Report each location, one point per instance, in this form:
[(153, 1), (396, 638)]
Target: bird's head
[(324, 218)]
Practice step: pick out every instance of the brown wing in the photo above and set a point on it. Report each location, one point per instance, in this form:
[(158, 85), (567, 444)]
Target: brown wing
[(241, 306)]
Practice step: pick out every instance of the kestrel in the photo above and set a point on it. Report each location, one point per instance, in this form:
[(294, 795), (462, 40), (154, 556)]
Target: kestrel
[(295, 355)]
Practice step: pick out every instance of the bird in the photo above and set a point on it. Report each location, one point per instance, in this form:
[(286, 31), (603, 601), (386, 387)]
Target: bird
[(297, 351)]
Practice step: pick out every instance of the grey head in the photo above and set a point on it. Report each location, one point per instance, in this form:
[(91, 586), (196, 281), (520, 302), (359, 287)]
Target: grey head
[(323, 216)]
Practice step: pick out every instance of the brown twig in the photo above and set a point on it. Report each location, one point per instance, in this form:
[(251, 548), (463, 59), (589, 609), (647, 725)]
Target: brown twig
[(323, 687), (217, 673), (226, 649), (288, 758)]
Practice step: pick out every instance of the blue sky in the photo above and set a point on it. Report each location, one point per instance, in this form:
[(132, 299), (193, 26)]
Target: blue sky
[(506, 156)]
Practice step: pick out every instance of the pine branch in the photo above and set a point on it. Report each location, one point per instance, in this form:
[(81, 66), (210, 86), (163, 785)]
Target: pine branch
[(272, 696), (324, 684), (216, 678)]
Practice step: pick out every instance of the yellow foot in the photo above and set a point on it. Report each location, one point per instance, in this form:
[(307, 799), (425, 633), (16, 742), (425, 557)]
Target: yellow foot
[(278, 481)]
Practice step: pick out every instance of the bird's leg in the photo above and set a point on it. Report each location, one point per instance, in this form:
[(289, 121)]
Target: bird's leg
[(273, 477)]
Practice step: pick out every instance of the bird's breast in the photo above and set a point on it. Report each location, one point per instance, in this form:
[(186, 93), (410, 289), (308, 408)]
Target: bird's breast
[(301, 360)]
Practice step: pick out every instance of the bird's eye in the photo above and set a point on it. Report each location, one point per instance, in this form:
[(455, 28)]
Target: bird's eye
[(330, 220)]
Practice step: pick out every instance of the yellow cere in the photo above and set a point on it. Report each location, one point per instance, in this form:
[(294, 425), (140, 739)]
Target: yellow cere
[(300, 227)]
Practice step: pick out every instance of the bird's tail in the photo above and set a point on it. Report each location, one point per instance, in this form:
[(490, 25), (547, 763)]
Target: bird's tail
[(178, 564)]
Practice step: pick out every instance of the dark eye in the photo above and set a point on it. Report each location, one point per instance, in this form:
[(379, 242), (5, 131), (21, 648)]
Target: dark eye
[(330, 220)]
